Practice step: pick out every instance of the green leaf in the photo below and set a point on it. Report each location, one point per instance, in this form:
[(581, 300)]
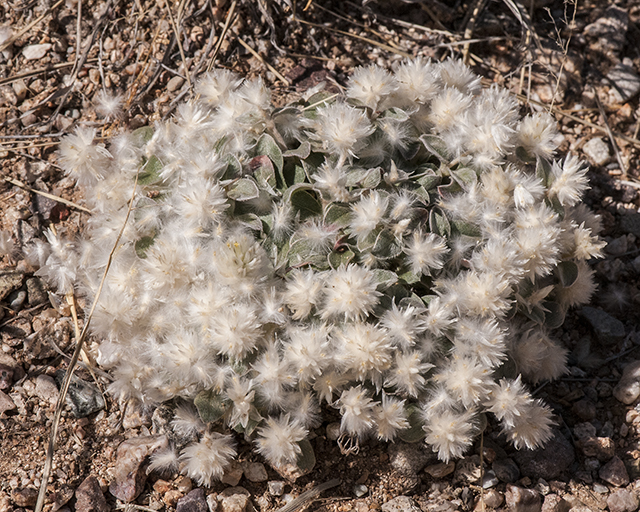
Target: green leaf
[(143, 135), (211, 405), (439, 224), (365, 178), (306, 458), (466, 228), (142, 245), (384, 278), (338, 258), (263, 171), (415, 433), (436, 146), (466, 178), (554, 315), (243, 190), (429, 181), (543, 171), (150, 172), (304, 252), (409, 277), (395, 113), (250, 220), (267, 146), (567, 273), (304, 200), (386, 245), (337, 214), (301, 152)]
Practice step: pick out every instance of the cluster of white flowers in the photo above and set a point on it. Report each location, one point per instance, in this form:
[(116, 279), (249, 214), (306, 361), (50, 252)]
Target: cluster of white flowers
[(399, 254)]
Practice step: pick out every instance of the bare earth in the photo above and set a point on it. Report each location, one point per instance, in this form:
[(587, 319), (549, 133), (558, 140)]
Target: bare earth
[(579, 62)]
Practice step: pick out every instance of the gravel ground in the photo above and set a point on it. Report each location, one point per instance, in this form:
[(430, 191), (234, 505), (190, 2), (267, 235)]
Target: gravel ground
[(581, 64)]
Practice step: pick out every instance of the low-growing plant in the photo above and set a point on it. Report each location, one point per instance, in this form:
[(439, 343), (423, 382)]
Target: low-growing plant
[(399, 253)]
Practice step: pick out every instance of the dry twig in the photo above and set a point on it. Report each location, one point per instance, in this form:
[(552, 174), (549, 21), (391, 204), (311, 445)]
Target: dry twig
[(46, 471), (261, 59), (46, 194), (610, 134)]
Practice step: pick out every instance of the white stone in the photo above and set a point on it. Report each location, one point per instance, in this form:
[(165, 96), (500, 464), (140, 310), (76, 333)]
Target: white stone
[(597, 150), (36, 51)]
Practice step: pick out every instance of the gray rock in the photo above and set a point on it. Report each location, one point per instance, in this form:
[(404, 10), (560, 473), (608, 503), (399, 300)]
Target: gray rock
[(555, 503), (175, 83), (614, 472), (46, 389), (195, 501), (275, 487), (624, 81), (506, 470), (623, 501), (468, 470), (232, 474), (235, 499), (602, 448), (493, 498), (17, 299), (129, 473), (359, 490), (519, 499), (548, 461), (584, 409), (212, 502), (441, 469), (584, 430), (408, 458), (255, 472), (489, 479), (83, 397), (628, 389), (597, 151), (609, 32), (401, 504), (6, 404), (9, 281), (618, 246), (631, 223), (136, 415), (609, 330), (25, 497), (36, 51), (333, 431), (36, 291), (89, 497), (6, 376)]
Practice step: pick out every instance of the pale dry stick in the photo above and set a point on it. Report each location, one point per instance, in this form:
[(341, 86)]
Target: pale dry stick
[(614, 144), (37, 71), (306, 497), (468, 31), (470, 41), (358, 24), (180, 49), (225, 28), (86, 358), (432, 15), (74, 71), (46, 194), (46, 471), (406, 24), (355, 36), (565, 47), (313, 105), (26, 29), (261, 59)]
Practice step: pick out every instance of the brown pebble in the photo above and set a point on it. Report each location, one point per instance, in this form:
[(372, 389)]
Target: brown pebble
[(171, 498), (161, 486), (89, 497), (25, 497)]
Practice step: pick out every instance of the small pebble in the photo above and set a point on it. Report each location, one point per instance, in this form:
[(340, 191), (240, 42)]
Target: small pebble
[(506, 470), (623, 501), (255, 472), (175, 83), (212, 502), (333, 431), (628, 388), (597, 150), (36, 51), (194, 501), (275, 487), (599, 488), (441, 470), (489, 479), (359, 490), (519, 499), (493, 498), (232, 474), (614, 472), (401, 504)]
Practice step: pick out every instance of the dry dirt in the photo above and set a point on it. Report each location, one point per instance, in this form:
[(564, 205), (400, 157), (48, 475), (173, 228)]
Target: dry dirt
[(129, 47)]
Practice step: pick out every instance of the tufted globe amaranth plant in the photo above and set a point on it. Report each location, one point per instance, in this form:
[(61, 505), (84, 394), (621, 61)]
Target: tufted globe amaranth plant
[(401, 254)]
